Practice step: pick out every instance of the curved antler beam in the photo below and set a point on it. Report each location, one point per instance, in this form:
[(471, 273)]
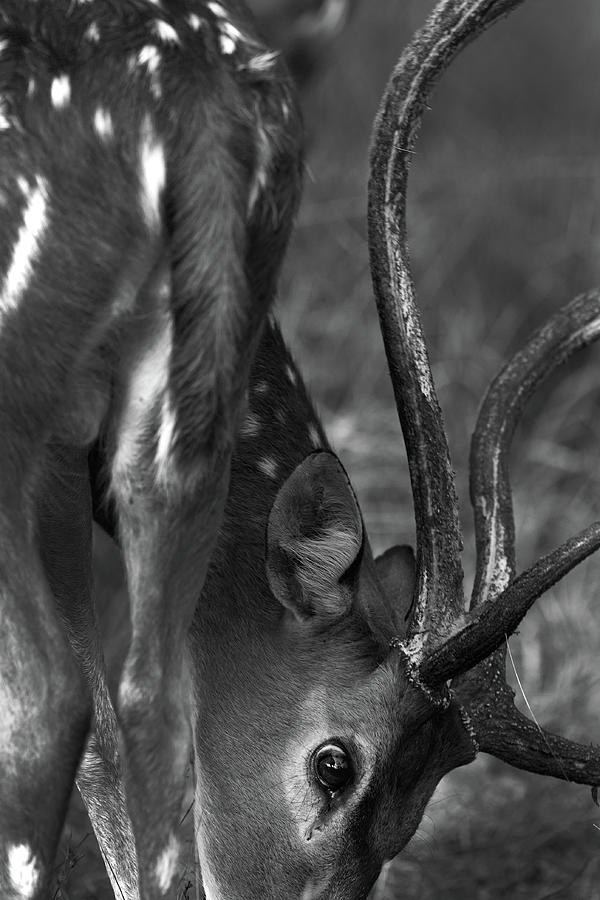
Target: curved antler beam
[(575, 326), (438, 592), (499, 600)]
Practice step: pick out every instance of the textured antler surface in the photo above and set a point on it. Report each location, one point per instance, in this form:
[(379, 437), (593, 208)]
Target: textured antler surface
[(499, 603), (499, 599), (439, 596)]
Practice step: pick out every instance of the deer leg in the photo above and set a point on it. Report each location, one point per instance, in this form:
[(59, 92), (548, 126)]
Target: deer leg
[(64, 515), (56, 306), (44, 702), (170, 505)]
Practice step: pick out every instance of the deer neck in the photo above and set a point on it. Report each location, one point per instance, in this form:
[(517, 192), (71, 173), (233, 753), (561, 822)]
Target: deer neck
[(280, 429)]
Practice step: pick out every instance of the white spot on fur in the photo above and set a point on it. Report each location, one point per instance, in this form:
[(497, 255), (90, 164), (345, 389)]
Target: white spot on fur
[(314, 435), (60, 91), (250, 426), (23, 185), (230, 30), (27, 246), (92, 33), (153, 173), (166, 433), (103, 123), (165, 32), (166, 864), (217, 10), (5, 122), (262, 62), (31, 87), (131, 692), (194, 21), (148, 381), (164, 288), (149, 56), (227, 45), (268, 466), (291, 374), (229, 35), (23, 870)]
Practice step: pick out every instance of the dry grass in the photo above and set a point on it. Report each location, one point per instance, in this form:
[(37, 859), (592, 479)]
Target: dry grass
[(504, 228)]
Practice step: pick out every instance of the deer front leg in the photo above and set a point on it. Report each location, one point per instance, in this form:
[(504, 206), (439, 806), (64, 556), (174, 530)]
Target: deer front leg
[(44, 701), (169, 472), (64, 524)]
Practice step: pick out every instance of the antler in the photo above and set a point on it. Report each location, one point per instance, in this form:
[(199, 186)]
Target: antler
[(438, 595), (443, 641), (500, 600)]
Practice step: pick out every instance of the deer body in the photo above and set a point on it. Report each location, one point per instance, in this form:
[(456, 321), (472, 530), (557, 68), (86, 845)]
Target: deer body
[(149, 171)]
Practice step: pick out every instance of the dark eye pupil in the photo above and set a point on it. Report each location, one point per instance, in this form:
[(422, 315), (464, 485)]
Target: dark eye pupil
[(332, 767)]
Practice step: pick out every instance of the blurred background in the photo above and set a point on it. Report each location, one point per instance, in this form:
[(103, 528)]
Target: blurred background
[(504, 228)]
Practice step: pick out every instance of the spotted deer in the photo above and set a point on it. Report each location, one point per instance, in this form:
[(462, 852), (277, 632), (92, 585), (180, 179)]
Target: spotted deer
[(328, 692), (149, 171)]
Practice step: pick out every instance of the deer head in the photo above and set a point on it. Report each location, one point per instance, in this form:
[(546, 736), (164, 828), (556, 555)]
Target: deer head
[(333, 691)]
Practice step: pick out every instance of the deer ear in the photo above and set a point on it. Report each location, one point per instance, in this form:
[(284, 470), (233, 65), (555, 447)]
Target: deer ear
[(396, 572), (314, 536)]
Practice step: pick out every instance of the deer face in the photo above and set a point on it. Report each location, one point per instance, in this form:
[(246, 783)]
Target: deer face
[(307, 780)]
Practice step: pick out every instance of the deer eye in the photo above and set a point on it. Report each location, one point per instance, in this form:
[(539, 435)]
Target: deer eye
[(332, 767)]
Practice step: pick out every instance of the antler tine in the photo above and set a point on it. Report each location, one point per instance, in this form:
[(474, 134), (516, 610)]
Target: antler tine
[(499, 603), (501, 730), (496, 725), (574, 327), (438, 593)]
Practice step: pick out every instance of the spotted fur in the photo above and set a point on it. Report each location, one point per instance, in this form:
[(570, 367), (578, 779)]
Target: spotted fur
[(149, 173)]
